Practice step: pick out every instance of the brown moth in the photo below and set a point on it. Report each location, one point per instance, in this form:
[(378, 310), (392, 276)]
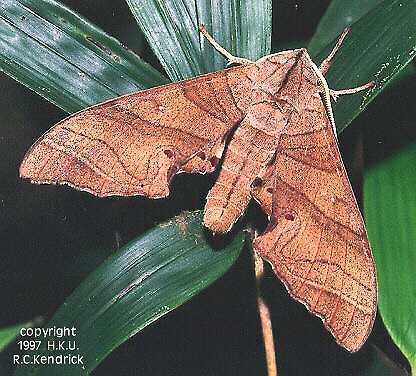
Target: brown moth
[(271, 124)]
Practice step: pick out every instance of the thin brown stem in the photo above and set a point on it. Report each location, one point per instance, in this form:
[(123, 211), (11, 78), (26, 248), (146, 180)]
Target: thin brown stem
[(264, 314)]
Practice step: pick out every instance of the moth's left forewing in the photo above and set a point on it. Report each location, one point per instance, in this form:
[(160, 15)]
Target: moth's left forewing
[(316, 241), (134, 144)]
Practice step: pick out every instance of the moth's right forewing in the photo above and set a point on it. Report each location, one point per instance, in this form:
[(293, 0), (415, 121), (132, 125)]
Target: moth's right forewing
[(316, 241), (134, 144)]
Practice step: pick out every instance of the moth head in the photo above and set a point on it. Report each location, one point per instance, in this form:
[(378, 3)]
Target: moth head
[(281, 74)]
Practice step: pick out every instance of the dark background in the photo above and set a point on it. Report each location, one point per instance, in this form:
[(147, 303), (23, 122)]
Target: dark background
[(50, 236)]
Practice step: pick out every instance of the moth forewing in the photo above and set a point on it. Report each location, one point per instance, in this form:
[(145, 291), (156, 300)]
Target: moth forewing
[(316, 241)]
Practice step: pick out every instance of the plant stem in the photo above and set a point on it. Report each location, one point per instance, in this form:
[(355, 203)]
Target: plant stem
[(264, 313)]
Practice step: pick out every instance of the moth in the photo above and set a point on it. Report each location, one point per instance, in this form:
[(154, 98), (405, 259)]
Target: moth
[(270, 124)]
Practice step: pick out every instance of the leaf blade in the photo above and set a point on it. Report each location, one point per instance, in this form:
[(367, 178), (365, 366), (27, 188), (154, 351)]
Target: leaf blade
[(146, 279), (65, 58), (339, 15), (10, 333), (390, 212), (385, 49), (171, 29)]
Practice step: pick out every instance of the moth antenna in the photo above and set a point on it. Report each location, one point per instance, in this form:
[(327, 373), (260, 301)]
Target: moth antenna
[(231, 58), (326, 64)]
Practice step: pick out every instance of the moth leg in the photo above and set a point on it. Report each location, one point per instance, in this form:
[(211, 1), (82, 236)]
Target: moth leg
[(231, 58), (336, 93), (326, 64)]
